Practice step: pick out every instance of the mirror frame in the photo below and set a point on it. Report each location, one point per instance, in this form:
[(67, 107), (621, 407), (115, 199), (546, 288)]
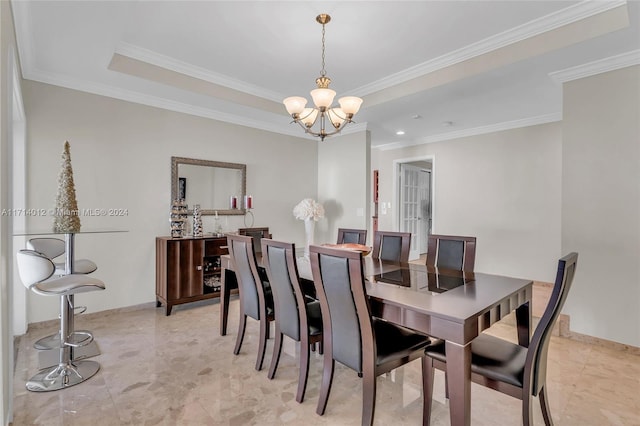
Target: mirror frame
[(175, 161)]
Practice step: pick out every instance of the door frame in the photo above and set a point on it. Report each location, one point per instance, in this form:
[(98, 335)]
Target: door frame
[(395, 210)]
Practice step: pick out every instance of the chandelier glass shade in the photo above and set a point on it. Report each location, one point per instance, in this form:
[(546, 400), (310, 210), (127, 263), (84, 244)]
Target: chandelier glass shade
[(322, 97)]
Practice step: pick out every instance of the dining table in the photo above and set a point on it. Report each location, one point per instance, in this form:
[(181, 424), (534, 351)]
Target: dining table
[(451, 305)]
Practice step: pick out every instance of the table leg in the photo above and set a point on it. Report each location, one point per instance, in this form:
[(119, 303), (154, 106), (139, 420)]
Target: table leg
[(523, 322), (459, 382), (224, 301)]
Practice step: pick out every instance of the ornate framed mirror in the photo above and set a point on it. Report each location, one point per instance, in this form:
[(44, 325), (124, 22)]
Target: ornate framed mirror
[(212, 184)]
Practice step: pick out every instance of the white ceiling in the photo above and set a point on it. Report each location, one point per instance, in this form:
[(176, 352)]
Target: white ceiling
[(481, 65)]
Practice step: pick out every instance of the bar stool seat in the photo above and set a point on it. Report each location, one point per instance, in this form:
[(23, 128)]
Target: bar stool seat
[(35, 271)]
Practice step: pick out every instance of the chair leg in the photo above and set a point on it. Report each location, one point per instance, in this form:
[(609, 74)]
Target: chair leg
[(303, 374), (320, 347), (427, 389), (275, 358), (327, 379), (368, 398), (262, 344), (241, 327), (527, 415), (544, 404)]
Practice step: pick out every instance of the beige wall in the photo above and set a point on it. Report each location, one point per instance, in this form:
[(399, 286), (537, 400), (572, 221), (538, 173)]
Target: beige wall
[(344, 184), (601, 202), (121, 155), (501, 187)]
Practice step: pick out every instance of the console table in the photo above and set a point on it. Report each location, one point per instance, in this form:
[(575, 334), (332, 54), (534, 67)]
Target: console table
[(188, 269)]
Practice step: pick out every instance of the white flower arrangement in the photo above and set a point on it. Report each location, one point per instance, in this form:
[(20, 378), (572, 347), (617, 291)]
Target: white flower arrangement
[(308, 209)]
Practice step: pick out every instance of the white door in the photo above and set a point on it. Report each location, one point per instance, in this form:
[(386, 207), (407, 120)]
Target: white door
[(415, 206)]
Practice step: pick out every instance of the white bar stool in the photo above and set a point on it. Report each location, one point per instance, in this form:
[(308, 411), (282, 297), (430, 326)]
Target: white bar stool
[(35, 269), (53, 248)]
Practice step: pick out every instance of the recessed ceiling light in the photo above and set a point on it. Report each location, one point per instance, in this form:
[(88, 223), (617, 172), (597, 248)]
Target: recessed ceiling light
[(400, 132), (416, 116), (447, 123)]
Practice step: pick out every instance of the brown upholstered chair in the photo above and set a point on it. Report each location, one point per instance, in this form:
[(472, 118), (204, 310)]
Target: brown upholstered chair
[(258, 234), (354, 236), (393, 246), (296, 315), (256, 300), (508, 367), (368, 345), (451, 252)]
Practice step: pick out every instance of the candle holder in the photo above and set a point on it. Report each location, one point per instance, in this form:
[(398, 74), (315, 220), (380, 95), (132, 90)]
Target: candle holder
[(233, 202), (248, 206)]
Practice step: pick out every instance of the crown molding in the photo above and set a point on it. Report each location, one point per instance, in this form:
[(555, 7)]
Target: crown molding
[(154, 101), (492, 128), (611, 63), (163, 61), (530, 29)]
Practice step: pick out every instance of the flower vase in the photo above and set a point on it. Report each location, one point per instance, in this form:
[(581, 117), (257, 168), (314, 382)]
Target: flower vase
[(309, 227)]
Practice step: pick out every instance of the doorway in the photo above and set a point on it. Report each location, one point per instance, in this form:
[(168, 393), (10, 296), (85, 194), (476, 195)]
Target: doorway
[(415, 203)]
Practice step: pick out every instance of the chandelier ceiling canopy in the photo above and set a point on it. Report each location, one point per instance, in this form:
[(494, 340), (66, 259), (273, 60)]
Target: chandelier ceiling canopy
[(322, 97)]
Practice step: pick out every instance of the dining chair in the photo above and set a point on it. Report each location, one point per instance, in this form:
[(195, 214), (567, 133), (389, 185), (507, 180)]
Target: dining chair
[(258, 234), (296, 315), (451, 252), (392, 246), (507, 367), (368, 345), (354, 236), (35, 270), (256, 300)]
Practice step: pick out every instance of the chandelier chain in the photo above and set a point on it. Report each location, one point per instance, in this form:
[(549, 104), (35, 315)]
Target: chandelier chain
[(323, 72)]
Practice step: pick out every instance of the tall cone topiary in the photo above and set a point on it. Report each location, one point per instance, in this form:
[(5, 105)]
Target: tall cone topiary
[(66, 218)]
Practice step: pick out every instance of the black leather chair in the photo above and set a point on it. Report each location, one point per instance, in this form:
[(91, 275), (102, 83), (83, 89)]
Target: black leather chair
[(508, 367), (451, 252), (368, 345), (256, 300), (353, 236), (296, 315), (392, 246)]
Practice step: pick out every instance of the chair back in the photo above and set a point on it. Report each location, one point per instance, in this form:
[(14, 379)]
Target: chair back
[(34, 267), (280, 262), (392, 246), (451, 252), (536, 363), (50, 247), (353, 236), (250, 288), (257, 234), (346, 317)]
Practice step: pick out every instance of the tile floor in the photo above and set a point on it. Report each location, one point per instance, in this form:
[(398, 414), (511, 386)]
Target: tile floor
[(178, 370)]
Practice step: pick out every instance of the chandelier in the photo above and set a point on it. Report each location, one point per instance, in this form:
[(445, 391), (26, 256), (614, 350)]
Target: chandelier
[(322, 97)]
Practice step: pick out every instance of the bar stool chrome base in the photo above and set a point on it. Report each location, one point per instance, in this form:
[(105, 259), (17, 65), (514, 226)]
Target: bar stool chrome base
[(63, 376)]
